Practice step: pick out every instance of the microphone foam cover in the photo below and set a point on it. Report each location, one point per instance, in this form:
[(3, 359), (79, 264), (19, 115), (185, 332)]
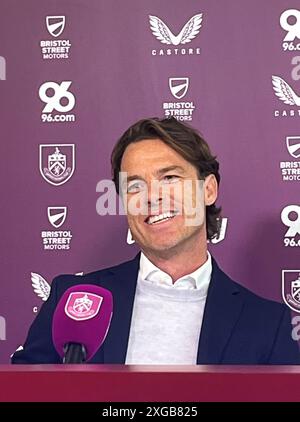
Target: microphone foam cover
[(82, 316)]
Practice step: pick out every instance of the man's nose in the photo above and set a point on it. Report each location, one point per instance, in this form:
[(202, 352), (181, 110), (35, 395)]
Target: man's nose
[(154, 193)]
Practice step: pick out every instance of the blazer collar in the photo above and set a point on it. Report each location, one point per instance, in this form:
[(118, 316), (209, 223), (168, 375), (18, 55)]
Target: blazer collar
[(223, 307), (122, 283)]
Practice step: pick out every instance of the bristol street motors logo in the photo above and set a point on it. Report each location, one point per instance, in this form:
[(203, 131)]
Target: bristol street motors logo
[(181, 110), (291, 288), (178, 87), (163, 34), (287, 95), (55, 25), (290, 170), (57, 216), (58, 239), (81, 306), (57, 162), (293, 145), (55, 49)]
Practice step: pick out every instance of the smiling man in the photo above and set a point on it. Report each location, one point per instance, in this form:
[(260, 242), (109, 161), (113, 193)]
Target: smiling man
[(168, 193), (172, 303)]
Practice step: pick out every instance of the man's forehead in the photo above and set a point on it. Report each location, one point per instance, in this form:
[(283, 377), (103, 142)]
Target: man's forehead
[(151, 149), (147, 144)]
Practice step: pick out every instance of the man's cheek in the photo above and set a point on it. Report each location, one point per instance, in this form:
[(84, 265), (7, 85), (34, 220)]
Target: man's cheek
[(136, 205), (172, 197), (194, 206)]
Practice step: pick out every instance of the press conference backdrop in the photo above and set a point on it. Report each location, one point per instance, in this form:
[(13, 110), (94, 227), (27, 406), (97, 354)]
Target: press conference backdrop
[(75, 74)]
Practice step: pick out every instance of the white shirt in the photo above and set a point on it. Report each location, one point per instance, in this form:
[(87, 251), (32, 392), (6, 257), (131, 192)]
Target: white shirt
[(167, 318)]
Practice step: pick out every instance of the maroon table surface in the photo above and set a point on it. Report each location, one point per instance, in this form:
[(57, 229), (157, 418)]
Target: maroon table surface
[(105, 383)]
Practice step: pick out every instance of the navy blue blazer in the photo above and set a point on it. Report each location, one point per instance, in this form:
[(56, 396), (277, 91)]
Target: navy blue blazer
[(238, 326)]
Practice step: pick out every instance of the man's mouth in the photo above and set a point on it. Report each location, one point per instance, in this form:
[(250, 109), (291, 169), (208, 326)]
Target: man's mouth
[(156, 219)]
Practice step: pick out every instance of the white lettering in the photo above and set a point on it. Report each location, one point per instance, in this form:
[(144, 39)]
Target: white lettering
[(2, 69), (2, 328)]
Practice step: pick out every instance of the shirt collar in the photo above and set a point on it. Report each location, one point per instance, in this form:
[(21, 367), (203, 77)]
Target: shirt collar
[(198, 279)]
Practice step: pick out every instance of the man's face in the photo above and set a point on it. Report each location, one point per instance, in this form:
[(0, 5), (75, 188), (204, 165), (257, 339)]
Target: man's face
[(164, 187)]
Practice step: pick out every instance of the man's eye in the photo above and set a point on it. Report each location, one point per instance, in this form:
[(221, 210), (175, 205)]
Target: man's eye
[(135, 187), (170, 178)]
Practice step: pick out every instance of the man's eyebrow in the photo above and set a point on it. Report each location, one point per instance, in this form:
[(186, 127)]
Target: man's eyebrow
[(170, 168), (134, 177), (159, 172)]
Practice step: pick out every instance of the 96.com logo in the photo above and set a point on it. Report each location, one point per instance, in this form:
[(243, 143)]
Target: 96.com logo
[(290, 217), (57, 97), (290, 22)]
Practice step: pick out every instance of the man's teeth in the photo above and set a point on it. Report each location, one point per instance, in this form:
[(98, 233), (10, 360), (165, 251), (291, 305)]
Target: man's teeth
[(161, 217)]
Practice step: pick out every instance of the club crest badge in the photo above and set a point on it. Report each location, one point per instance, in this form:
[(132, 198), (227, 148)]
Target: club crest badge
[(81, 306), (57, 162), (291, 289)]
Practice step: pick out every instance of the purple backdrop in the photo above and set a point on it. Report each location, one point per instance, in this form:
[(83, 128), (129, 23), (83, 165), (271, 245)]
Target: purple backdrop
[(120, 72)]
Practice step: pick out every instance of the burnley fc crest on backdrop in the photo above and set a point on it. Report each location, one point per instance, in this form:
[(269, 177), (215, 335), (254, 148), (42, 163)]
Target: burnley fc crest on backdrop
[(57, 162)]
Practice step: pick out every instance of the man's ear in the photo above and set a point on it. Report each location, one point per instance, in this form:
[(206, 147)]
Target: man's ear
[(210, 189)]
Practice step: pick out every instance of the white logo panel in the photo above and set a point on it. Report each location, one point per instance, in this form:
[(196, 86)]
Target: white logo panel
[(54, 49), (284, 92), (290, 217), (290, 288), (161, 31), (2, 69), (177, 44), (59, 98), (57, 216), (178, 87), (40, 286), (292, 28), (57, 162), (290, 170), (181, 110), (55, 25)]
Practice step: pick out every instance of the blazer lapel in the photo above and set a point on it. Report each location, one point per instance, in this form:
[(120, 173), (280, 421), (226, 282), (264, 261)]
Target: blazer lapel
[(122, 284), (222, 310)]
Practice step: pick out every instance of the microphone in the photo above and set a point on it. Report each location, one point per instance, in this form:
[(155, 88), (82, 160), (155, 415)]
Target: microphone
[(81, 321)]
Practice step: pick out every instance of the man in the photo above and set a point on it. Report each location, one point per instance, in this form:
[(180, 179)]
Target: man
[(172, 303)]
